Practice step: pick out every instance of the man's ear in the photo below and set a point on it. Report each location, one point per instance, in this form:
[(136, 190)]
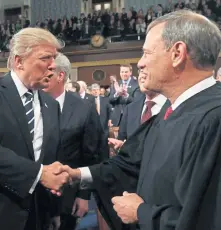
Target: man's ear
[(18, 62), (61, 77)]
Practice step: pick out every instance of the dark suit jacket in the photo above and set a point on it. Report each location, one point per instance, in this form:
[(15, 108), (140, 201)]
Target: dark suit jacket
[(18, 169), (131, 119), (89, 98), (119, 103), (105, 112), (81, 139)]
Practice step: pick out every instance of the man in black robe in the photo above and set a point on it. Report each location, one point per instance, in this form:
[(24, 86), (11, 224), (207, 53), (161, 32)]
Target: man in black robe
[(174, 159)]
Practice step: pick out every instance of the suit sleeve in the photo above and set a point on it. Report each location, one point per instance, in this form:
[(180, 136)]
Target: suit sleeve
[(122, 135), (109, 110), (197, 187), (118, 174), (17, 174)]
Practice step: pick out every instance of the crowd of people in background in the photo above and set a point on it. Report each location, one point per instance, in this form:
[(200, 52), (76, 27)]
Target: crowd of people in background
[(110, 23)]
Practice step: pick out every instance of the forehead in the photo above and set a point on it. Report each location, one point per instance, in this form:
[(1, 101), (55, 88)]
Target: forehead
[(154, 37), (44, 49), (124, 69)]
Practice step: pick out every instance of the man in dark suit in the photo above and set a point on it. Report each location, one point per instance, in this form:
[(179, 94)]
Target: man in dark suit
[(29, 132), (174, 157), (137, 112), (123, 93), (103, 108), (81, 139), (83, 94)]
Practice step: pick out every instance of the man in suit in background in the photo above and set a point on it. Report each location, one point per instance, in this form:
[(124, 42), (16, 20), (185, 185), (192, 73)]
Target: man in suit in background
[(29, 131), (103, 108), (137, 112), (83, 92), (123, 93), (81, 134)]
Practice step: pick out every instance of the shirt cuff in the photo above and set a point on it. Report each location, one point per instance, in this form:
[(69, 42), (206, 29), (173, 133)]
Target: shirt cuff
[(36, 180), (86, 178)]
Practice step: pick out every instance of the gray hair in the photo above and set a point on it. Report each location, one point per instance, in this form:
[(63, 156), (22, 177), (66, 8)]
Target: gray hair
[(201, 36), (63, 65), (22, 42), (95, 86)]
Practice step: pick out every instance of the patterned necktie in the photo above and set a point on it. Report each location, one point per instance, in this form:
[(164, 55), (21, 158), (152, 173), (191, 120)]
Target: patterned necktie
[(30, 112), (147, 114), (168, 112)]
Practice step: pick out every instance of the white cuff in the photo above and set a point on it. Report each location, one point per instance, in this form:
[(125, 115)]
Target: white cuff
[(86, 178), (36, 180)]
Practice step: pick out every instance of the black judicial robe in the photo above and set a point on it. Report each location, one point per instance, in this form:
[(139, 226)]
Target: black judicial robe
[(175, 166)]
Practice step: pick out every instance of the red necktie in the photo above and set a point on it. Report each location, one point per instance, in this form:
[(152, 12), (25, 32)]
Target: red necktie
[(168, 112), (147, 114)]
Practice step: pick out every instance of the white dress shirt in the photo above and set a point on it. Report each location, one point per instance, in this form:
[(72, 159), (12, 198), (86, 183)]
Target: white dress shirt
[(60, 100), (159, 102), (86, 178), (82, 95), (38, 126)]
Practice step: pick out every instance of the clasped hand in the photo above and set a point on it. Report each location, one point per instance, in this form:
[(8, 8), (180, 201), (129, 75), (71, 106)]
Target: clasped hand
[(56, 175)]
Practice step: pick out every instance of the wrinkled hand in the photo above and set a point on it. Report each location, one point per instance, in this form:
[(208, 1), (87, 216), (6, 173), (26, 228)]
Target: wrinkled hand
[(126, 207), (80, 208), (54, 177), (115, 143)]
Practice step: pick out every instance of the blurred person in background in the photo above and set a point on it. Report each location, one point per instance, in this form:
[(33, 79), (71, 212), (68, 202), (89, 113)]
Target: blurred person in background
[(102, 91), (123, 93), (81, 140), (103, 108), (83, 92)]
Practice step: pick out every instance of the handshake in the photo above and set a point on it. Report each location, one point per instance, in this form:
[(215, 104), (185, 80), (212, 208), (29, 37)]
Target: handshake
[(56, 175)]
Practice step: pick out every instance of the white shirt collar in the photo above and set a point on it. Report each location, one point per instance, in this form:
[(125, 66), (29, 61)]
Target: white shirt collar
[(200, 86), (20, 86), (159, 100), (60, 100), (83, 95)]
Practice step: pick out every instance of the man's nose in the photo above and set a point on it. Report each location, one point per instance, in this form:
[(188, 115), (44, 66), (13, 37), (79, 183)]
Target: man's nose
[(52, 66)]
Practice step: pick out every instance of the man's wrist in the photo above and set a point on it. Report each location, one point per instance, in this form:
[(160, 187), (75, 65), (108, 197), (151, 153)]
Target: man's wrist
[(77, 174)]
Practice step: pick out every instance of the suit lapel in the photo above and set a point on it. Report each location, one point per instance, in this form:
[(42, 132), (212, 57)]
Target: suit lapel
[(67, 110), (101, 105), (14, 101), (46, 123)]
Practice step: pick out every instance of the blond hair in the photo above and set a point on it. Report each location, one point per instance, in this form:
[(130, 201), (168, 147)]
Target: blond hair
[(22, 42)]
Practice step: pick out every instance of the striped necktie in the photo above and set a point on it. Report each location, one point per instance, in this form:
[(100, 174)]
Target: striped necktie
[(30, 112)]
